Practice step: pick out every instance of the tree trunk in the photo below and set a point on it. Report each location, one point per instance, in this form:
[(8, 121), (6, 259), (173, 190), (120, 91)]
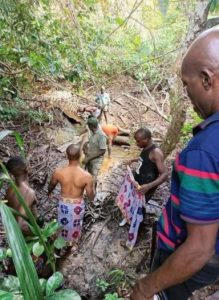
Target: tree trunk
[(197, 24)]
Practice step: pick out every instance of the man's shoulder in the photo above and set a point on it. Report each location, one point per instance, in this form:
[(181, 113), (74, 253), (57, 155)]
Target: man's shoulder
[(206, 140), (85, 175), (157, 153), (100, 133)]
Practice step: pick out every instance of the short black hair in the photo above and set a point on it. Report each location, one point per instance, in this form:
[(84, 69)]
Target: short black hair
[(144, 132), (73, 152), (16, 165), (92, 123)]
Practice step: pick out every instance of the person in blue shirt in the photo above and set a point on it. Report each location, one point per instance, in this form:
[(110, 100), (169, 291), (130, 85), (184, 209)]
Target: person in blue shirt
[(187, 255)]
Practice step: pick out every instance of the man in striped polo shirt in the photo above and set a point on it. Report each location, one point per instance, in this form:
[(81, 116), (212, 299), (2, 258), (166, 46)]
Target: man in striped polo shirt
[(187, 255)]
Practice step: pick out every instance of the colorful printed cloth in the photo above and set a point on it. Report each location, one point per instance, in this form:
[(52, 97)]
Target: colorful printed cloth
[(70, 217), (131, 203)]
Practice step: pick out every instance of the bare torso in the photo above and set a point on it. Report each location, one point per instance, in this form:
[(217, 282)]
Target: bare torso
[(73, 181), (26, 191)]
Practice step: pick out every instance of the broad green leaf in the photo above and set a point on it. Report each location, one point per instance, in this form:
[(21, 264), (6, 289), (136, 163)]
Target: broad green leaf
[(59, 243), (30, 245), (20, 142), (10, 283), (33, 230), (2, 254), (64, 295), (18, 297), (4, 177), (50, 228), (4, 133), (43, 284), (8, 252), (6, 295), (38, 249), (53, 283), (25, 269)]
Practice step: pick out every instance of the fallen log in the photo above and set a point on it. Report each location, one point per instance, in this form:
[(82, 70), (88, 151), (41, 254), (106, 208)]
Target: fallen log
[(122, 140), (123, 131)]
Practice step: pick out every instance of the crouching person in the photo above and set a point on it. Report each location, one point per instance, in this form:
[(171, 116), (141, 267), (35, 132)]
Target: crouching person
[(18, 167), (74, 181)]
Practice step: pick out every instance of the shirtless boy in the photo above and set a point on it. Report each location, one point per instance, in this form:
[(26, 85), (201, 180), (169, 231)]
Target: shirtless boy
[(73, 180), (17, 166)]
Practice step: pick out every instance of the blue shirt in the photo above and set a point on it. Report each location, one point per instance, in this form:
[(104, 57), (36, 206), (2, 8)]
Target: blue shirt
[(194, 187)]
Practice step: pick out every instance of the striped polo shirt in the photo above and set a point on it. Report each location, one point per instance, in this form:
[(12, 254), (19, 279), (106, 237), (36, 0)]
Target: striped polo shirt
[(194, 187)]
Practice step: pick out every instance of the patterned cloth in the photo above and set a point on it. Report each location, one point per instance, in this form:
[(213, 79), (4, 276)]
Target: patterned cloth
[(131, 203), (70, 217)]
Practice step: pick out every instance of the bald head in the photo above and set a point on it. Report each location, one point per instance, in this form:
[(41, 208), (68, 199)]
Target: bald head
[(73, 152), (204, 52), (200, 73)]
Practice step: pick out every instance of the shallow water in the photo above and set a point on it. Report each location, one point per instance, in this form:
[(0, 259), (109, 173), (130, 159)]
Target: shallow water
[(118, 155)]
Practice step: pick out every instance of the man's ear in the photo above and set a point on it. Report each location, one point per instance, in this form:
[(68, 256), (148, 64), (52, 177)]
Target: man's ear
[(207, 79)]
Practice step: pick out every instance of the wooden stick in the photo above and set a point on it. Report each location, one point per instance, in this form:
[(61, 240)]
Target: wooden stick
[(146, 105)]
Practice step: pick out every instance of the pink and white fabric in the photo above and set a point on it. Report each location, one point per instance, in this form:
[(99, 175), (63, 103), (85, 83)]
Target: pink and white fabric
[(70, 217), (131, 203)]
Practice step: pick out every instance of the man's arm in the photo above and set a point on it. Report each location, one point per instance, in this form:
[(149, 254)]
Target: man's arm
[(130, 161), (159, 161), (102, 149), (91, 157), (188, 259), (53, 183), (89, 188)]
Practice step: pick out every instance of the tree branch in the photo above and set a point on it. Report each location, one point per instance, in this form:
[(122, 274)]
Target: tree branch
[(144, 104)]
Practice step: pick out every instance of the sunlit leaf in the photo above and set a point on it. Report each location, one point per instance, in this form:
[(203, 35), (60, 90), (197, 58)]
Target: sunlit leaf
[(64, 295), (43, 284), (53, 283), (20, 142), (59, 243), (2, 254), (10, 283), (38, 249), (50, 228)]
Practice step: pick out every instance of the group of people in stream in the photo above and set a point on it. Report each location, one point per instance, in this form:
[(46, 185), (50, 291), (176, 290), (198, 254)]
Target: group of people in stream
[(187, 254)]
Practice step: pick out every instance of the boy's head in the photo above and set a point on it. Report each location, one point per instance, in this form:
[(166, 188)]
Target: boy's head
[(142, 137), (73, 152), (17, 166), (92, 123)]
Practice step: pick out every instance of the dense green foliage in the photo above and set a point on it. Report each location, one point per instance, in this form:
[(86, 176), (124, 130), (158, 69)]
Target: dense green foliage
[(85, 41), (78, 39)]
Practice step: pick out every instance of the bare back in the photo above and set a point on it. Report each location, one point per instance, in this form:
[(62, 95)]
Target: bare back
[(26, 191), (73, 180)]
